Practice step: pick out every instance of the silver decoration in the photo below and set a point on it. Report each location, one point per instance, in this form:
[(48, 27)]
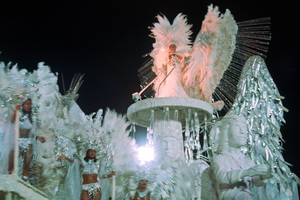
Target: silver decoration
[(259, 101)]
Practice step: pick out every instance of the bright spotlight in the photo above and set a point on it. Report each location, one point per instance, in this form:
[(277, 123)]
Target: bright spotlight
[(145, 154)]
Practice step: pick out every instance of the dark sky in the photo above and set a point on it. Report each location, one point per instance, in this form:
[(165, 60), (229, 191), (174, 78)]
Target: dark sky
[(105, 40)]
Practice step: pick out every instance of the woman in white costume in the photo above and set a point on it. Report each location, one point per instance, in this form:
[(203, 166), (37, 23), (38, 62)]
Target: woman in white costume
[(26, 137), (91, 188), (171, 85)]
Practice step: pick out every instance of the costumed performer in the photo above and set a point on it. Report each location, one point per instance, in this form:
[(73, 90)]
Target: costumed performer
[(142, 193), (27, 135), (68, 169), (91, 188)]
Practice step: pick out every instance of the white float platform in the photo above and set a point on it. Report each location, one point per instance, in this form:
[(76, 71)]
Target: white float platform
[(140, 112), (12, 187)]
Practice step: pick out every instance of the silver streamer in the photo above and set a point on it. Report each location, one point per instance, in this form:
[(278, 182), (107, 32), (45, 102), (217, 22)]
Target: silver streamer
[(259, 101)]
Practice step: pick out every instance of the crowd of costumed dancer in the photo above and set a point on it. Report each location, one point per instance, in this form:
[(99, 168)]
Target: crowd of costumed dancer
[(61, 150), (50, 143)]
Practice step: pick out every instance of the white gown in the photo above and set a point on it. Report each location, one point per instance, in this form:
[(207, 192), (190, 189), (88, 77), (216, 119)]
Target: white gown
[(171, 86)]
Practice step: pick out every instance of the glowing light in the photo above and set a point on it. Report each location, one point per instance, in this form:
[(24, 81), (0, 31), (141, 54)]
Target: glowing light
[(145, 154)]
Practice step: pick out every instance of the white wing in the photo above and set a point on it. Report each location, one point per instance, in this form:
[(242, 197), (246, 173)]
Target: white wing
[(212, 53)]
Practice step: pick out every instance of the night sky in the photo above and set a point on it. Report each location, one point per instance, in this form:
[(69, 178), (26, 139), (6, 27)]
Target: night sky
[(105, 40)]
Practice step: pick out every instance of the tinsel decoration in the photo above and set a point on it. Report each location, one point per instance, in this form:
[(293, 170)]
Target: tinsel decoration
[(259, 101)]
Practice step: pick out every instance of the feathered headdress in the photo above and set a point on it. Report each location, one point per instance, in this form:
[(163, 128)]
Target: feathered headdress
[(165, 33), (16, 85), (177, 33), (91, 134), (108, 134)]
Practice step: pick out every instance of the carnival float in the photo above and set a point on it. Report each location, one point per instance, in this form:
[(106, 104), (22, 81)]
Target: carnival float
[(210, 108)]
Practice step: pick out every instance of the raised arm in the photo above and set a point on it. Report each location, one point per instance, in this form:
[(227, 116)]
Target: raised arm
[(13, 116)]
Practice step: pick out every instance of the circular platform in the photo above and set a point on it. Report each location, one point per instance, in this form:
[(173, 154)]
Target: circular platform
[(140, 112)]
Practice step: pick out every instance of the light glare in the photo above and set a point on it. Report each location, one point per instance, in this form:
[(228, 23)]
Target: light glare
[(145, 154)]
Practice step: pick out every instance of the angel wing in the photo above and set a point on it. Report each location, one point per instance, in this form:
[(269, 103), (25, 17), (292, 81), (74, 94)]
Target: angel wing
[(212, 53), (259, 101), (252, 39), (219, 53)]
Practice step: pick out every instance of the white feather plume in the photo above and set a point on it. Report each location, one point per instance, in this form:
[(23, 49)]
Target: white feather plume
[(125, 153), (212, 53), (165, 33)]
